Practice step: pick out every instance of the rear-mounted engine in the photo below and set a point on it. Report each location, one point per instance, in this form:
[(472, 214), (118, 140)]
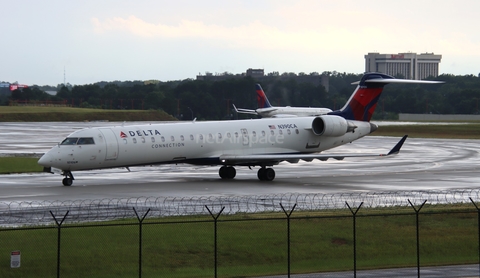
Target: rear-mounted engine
[(331, 126)]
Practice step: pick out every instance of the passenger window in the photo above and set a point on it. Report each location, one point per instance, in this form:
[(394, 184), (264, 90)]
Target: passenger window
[(153, 139), (254, 134), (135, 140), (191, 137), (272, 132), (263, 132), (289, 132), (163, 139), (143, 139), (172, 138), (280, 132), (296, 131), (229, 135), (69, 141), (182, 138), (125, 141)]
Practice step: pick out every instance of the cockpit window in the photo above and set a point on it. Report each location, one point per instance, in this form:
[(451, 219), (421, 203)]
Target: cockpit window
[(69, 141), (85, 141), (78, 141)]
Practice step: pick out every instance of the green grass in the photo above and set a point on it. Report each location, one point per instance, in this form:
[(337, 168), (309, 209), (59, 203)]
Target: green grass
[(246, 248), (52, 109), (53, 114), (450, 131), (10, 165)]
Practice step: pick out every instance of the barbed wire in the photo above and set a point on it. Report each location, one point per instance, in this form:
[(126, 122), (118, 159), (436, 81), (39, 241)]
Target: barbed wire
[(89, 210)]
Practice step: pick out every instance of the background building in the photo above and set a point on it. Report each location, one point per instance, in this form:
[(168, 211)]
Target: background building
[(409, 65)]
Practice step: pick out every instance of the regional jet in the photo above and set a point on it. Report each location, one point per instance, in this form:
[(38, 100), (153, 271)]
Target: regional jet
[(266, 110), (254, 142)]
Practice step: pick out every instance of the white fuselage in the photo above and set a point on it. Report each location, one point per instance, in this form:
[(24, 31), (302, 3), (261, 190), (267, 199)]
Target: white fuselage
[(191, 142)]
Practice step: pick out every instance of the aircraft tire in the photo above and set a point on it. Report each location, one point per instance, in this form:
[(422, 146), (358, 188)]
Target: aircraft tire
[(231, 172), (261, 174), (67, 181), (227, 172), (266, 174), (269, 174)]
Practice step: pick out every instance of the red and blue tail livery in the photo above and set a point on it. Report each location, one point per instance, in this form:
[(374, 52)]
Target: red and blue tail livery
[(363, 101), (262, 99)]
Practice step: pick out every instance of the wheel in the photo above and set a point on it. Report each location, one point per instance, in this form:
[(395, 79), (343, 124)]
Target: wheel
[(231, 172), (67, 181), (222, 172), (269, 174), (261, 174), (227, 172)]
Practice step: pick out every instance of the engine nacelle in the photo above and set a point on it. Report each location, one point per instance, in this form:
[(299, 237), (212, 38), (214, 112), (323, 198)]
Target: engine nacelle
[(329, 125)]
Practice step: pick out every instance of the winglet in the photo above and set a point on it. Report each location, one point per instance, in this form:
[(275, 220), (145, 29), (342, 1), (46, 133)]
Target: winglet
[(398, 146)]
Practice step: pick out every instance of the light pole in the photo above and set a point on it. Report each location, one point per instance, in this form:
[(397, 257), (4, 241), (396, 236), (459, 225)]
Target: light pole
[(190, 112)]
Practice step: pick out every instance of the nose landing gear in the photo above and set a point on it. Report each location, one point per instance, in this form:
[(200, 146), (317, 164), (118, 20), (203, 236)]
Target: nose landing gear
[(68, 180)]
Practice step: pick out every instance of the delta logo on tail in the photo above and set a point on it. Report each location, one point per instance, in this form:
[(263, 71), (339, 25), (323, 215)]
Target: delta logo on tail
[(363, 101), (262, 99)]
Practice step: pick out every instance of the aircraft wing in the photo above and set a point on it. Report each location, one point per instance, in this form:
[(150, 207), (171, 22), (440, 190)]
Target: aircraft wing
[(244, 111), (294, 158)]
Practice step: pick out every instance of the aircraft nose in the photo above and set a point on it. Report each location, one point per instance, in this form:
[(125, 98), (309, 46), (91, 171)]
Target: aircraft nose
[(45, 160)]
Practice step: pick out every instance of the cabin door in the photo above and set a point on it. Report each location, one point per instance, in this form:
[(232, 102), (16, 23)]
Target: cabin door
[(111, 143)]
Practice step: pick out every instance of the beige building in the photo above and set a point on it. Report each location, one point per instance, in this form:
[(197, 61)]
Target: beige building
[(410, 65)]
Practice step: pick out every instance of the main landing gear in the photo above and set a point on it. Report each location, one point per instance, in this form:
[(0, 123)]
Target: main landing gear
[(264, 174), (68, 180), (227, 172)]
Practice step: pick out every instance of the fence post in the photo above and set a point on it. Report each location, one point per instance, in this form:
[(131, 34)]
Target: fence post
[(478, 231), (140, 233), (354, 213), (288, 234), (59, 225), (417, 211), (215, 218)]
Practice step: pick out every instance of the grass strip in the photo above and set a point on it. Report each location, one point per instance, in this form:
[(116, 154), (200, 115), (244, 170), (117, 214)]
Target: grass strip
[(253, 245), (11, 165), (447, 131)]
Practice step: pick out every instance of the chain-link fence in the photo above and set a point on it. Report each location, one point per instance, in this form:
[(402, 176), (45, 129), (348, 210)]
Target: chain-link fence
[(242, 236)]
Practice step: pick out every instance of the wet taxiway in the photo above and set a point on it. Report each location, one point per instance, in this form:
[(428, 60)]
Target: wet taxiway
[(423, 164)]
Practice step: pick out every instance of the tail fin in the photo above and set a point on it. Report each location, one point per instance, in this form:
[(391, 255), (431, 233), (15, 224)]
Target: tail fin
[(363, 101), (262, 99)]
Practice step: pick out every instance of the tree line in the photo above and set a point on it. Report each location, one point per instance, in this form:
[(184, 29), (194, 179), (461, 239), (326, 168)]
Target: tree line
[(212, 100)]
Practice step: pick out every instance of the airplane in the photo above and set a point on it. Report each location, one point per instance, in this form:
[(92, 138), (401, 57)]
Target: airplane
[(266, 110), (252, 142)]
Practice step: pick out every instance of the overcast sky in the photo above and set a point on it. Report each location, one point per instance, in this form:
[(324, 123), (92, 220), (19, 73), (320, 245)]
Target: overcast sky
[(105, 40)]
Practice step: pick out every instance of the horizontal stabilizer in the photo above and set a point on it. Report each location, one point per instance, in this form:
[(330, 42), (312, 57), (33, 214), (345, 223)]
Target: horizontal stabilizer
[(398, 81)]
